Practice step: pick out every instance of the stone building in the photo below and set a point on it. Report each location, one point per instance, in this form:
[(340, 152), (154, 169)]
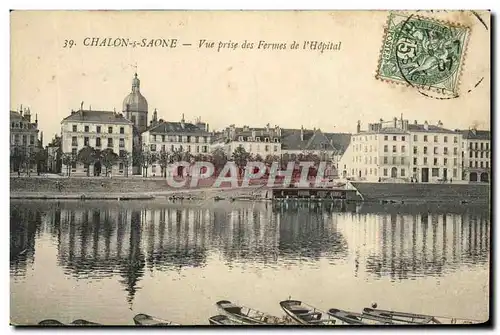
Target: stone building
[(476, 153), (168, 141), (398, 151), (99, 130), (24, 142)]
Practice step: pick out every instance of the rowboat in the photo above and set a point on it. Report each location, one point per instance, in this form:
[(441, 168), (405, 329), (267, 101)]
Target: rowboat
[(352, 318), (223, 320), (246, 315), (50, 323), (305, 314), (81, 322), (148, 320), (417, 319)]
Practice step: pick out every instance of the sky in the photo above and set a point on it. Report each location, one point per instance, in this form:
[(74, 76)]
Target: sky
[(290, 88)]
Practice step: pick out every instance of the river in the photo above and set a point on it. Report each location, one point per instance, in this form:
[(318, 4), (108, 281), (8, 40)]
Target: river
[(107, 261)]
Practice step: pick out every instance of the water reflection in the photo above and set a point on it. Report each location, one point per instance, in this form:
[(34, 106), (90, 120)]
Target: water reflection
[(96, 241)]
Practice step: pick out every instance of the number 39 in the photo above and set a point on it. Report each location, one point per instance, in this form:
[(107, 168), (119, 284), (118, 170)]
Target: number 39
[(68, 43)]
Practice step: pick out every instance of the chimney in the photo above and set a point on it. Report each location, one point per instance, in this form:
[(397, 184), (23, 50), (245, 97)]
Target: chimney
[(21, 110), (207, 128), (267, 127), (301, 133), (416, 122), (36, 118), (41, 139), (182, 121), (395, 122), (440, 124), (426, 125), (358, 127), (155, 116)]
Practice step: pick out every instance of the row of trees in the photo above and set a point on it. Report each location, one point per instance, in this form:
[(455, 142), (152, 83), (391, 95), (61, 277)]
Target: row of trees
[(89, 156), (22, 159)]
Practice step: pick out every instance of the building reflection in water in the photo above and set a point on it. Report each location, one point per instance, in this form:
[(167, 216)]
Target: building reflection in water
[(107, 241), (405, 246)]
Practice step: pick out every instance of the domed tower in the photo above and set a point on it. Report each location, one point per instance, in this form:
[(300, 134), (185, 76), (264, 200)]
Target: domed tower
[(135, 106)]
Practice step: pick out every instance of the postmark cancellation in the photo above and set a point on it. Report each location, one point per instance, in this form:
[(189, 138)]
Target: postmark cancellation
[(424, 53)]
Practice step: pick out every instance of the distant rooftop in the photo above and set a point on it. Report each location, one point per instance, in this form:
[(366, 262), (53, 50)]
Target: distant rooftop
[(96, 116)]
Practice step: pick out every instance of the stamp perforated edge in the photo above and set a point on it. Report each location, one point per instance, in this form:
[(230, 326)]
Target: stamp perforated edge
[(427, 88)]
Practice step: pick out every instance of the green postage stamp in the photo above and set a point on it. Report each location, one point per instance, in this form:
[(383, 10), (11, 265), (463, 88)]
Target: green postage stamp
[(423, 53)]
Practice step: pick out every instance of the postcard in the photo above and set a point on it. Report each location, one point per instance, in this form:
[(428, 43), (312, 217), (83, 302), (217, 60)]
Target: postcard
[(180, 168)]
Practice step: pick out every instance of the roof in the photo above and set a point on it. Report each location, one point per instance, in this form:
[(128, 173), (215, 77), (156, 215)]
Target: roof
[(473, 134), (313, 140), (15, 116), (177, 128), (97, 117), (430, 128)]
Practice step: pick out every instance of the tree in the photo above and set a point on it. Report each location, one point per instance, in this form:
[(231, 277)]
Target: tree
[(41, 160), (164, 158), (17, 158), (285, 159), (127, 159), (87, 156), (146, 159), (219, 158), (240, 157), (258, 158), (30, 160), (270, 159), (108, 159), (68, 159)]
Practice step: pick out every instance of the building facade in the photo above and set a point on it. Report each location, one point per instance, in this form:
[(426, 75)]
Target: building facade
[(24, 142), (397, 151), (476, 153), (54, 153), (165, 142), (99, 130)]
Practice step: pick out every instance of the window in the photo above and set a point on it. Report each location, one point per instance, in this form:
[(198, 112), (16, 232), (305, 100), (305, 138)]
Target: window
[(487, 165), (425, 150), (445, 139), (204, 149), (86, 129), (435, 161), (74, 152), (393, 160), (403, 138), (455, 161), (385, 172), (386, 138), (482, 146), (487, 155), (98, 129), (425, 160), (32, 142), (402, 160), (120, 167), (153, 168), (86, 141), (386, 148), (435, 150), (385, 159), (394, 138), (415, 161), (475, 145), (393, 148), (475, 164), (481, 155), (481, 164), (275, 148), (98, 142), (445, 161), (455, 139), (163, 138), (403, 148), (425, 138), (266, 148), (375, 160), (476, 154), (74, 128), (403, 172), (240, 138), (110, 130), (415, 138), (415, 150), (487, 146), (470, 154), (435, 139), (110, 142), (445, 150), (122, 130), (74, 141), (122, 143), (455, 151), (257, 139), (24, 139), (435, 172), (470, 164), (375, 171)]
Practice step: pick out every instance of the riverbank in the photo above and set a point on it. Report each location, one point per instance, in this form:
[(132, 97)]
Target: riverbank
[(419, 192)]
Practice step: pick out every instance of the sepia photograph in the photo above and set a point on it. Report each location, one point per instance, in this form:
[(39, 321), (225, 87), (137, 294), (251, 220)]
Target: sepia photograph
[(250, 168)]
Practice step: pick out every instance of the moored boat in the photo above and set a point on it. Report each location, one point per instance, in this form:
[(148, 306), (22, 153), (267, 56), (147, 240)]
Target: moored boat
[(247, 315), (50, 323), (417, 319), (223, 320), (305, 314), (81, 322), (148, 320), (352, 318)]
